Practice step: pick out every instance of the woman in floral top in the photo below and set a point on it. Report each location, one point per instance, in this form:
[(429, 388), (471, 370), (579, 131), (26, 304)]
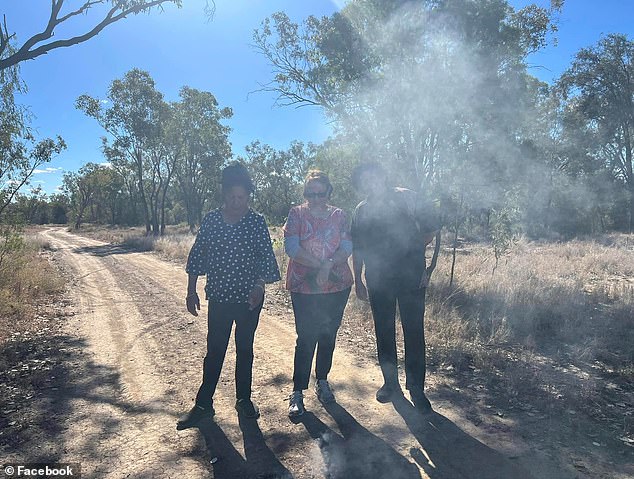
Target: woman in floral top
[(233, 249), (317, 240)]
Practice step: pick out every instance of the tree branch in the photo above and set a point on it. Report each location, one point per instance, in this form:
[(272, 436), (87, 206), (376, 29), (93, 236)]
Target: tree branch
[(25, 52)]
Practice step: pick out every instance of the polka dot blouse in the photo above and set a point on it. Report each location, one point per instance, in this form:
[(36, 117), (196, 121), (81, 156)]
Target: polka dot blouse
[(233, 256)]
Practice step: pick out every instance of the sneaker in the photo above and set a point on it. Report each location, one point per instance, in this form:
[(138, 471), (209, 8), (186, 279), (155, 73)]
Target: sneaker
[(296, 404), (246, 408), (421, 403), (386, 393), (324, 392), (194, 416)]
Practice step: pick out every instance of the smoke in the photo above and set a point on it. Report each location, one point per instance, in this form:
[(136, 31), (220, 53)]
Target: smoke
[(446, 104)]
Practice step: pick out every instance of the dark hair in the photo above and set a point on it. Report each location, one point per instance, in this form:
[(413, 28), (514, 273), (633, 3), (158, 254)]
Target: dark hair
[(320, 177), (236, 174), (362, 168)]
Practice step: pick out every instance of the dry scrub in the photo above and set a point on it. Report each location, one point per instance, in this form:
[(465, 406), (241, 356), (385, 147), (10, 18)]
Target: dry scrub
[(26, 280)]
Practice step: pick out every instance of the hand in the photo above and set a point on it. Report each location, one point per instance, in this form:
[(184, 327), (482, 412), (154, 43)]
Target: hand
[(256, 296), (361, 291), (424, 279), (193, 303), (323, 274)]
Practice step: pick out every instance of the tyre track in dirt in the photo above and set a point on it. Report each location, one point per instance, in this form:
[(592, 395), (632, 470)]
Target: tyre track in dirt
[(124, 429), (131, 313)]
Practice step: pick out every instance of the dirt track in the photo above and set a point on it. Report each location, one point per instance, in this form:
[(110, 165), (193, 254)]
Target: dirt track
[(140, 367)]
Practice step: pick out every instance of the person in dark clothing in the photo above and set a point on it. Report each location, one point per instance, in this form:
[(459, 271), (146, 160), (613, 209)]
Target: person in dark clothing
[(233, 249), (390, 231)]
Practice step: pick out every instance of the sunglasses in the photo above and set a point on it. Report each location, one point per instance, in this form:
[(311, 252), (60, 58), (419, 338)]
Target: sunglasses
[(323, 194)]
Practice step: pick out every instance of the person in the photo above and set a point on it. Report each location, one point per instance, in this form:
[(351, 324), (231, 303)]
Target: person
[(390, 230), (233, 249), (317, 240)]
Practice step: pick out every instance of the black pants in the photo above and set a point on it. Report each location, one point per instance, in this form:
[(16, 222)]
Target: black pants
[(317, 320), (411, 305), (220, 320)]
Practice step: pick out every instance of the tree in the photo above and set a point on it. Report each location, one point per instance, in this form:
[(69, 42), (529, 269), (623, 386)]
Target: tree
[(41, 43), (429, 88), (599, 92), (19, 161), (136, 121), (278, 176), (83, 188), (201, 146), (20, 154)]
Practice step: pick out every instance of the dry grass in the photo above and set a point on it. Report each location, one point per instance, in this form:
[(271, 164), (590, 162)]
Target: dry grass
[(26, 279), (578, 295)]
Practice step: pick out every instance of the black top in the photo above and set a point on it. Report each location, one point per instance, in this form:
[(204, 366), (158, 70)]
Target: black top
[(233, 256), (389, 235)]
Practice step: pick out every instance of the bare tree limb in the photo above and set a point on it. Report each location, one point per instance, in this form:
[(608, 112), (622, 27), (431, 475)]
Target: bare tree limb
[(27, 52)]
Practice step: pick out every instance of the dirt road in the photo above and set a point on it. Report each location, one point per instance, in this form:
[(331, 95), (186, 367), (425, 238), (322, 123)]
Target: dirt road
[(138, 367)]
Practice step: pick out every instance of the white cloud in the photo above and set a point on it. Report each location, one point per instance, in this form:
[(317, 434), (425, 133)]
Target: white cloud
[(47, 170)]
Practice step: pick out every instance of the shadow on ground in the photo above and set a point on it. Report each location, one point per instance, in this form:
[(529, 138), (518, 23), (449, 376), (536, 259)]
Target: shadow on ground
[(228, 463), (45, 383), (356, 452), (106, 250), (447, 452)]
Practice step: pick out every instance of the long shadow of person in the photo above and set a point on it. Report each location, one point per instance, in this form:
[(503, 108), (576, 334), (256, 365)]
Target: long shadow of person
[(260, 459), (448, 452), (228, 463), (359, 453)]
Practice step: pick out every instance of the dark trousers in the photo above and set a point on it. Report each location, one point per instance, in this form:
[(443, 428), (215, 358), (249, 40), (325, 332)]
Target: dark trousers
[(220, 320), (411, 305), (317, 320)]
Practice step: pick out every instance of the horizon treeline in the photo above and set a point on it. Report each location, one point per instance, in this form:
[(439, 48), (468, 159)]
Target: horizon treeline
[(439, 92)]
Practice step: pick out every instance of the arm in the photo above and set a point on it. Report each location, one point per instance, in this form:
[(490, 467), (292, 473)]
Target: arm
[(268, 269), (357, 269), (292, 245), (192, 300), (197, 265)]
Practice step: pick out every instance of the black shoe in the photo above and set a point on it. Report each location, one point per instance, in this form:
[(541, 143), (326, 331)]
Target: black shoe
[(421, 403), (387, 392), (246, 408), (194, 416)]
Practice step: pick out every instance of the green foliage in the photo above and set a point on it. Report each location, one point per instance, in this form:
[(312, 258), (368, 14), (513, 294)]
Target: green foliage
[(504, 221), (155, 142), (278, 177), (598, 89), (201, 144), (10, 242), (436, 91)]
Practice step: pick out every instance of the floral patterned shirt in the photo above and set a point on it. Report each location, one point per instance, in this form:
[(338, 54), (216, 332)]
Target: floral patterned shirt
[(320, 237), (233, 256)]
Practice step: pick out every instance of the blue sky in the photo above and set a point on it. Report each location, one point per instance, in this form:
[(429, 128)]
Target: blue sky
[(180, 47)]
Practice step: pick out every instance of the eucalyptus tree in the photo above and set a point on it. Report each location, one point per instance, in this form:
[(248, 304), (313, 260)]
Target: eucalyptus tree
[(136, 122), (431, 88), (200, 144), (19, 160), (278, 176), (83, 189), (598, 90)]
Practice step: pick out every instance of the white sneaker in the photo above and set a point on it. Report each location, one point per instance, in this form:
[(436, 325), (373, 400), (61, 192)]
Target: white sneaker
[(296, 404), (324, 392)]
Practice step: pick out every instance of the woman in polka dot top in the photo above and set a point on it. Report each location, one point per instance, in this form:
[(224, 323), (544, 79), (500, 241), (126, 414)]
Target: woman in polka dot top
[(233, 250)]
